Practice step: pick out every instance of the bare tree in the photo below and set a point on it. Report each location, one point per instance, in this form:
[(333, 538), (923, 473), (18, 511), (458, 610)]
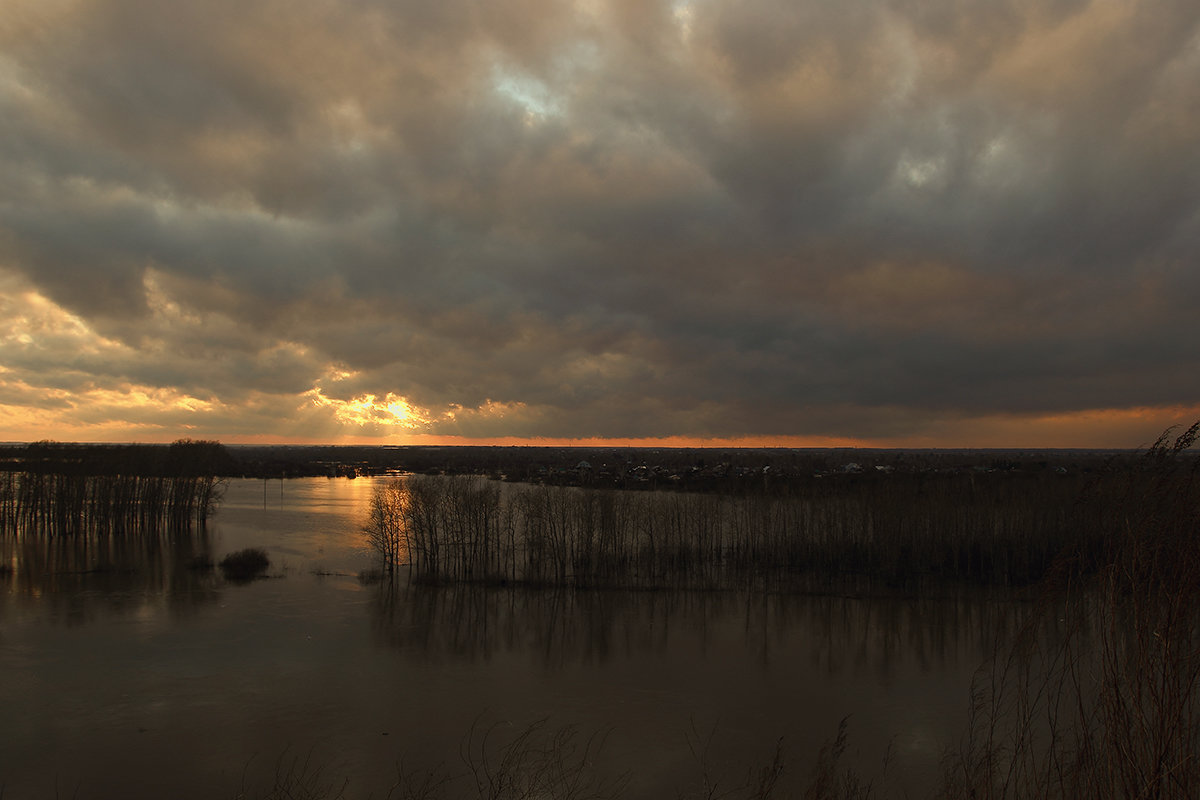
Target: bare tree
[(386, 527)]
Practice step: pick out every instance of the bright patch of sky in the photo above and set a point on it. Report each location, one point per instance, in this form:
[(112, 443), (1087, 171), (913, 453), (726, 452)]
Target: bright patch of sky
[(531, 94), (33, 321), (369, 410), (922, 173), (684, 13)]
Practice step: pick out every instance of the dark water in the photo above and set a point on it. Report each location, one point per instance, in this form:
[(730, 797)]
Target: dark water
[(125, 672)]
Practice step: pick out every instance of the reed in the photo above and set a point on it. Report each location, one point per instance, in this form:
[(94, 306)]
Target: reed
[(1111, 706), (898, 532), (505, 761)]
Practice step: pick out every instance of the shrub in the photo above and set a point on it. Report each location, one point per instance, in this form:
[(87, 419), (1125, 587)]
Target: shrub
[(245, 565)]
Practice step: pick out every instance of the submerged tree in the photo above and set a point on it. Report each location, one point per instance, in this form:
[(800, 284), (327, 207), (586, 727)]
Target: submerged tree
[(385, 529), (64, 489)]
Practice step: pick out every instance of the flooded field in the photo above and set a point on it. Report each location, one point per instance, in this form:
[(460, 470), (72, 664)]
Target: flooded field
[(133, 668)]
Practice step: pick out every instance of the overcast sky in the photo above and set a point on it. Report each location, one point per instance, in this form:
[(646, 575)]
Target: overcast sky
[(915, 222)]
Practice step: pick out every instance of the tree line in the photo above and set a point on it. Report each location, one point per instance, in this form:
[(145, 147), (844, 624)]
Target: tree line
[(65, 490)]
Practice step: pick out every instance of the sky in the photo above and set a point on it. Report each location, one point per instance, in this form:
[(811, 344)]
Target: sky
[(898, 223)]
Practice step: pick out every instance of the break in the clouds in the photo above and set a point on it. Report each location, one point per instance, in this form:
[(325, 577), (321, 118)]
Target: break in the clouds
[(944, 222)]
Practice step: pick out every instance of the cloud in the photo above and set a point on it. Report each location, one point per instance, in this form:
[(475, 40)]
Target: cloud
[(611, 219)]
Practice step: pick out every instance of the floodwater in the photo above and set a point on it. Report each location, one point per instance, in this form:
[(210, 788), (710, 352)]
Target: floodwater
[(126, 672)]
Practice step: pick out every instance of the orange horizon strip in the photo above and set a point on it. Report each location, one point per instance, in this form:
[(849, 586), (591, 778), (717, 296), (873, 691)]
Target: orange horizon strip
[(1095, 429)]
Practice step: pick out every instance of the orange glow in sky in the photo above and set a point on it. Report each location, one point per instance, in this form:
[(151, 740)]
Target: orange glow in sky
[(809, 224)]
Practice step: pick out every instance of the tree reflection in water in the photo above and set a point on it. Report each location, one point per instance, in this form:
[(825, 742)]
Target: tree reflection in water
[(75, 579), (566, 626)]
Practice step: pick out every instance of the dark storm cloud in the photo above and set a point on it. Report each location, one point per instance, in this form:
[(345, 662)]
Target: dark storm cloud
[(605, 218)]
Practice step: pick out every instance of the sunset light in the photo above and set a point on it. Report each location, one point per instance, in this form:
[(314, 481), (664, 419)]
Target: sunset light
[(626, 399), (588, 222), (365, 410)]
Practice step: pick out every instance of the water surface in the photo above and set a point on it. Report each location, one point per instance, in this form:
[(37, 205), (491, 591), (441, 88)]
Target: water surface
[(126, 672)]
